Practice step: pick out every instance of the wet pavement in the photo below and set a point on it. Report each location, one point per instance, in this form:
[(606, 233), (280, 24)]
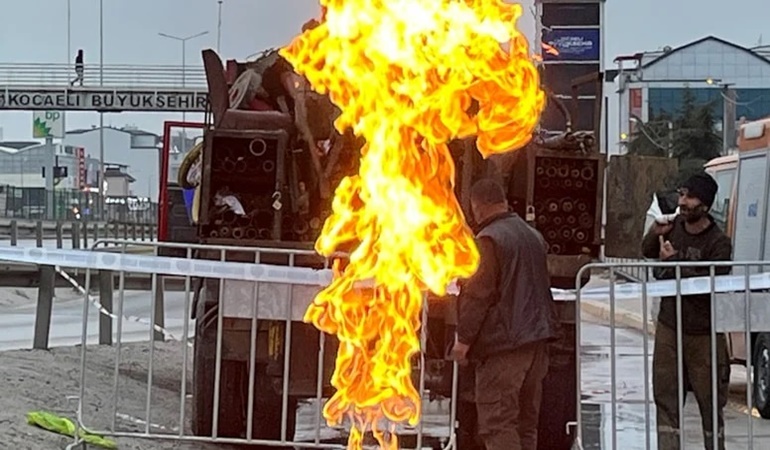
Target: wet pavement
[(633, 415)]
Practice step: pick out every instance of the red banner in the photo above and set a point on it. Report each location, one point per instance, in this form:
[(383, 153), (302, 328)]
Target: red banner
[(81, 155), (634, 107)]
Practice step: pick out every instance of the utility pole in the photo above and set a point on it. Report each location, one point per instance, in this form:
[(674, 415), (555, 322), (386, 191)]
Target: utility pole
[(729, 102)]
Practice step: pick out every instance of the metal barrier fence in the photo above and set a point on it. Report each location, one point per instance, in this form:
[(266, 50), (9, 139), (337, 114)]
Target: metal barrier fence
[(112, 75), (626, 269), (257, 376), (737, 310)]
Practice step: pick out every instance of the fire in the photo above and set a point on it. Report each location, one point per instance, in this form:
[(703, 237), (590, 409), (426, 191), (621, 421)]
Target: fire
[(409, 76), (550, 49)]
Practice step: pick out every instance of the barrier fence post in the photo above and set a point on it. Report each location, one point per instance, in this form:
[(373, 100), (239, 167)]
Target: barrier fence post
[(45, 295), (39, 233), (59, 235), (75, 234), (85, 234), (14, 233), (105, 299), (158, 302)]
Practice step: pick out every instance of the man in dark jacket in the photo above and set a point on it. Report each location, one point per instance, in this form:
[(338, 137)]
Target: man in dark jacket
[(506, 319), (78, 69), (692, 236)]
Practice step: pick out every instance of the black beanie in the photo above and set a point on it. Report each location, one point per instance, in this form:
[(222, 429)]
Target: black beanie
[(703, 187)]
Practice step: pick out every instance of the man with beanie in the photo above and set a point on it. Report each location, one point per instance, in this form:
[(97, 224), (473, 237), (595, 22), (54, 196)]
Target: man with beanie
[(691, 236)]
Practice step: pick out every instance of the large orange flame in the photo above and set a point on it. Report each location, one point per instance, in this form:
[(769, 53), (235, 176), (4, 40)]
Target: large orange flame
[(405, 74)]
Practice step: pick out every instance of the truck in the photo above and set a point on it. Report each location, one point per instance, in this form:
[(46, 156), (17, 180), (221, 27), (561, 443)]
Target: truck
[(264, 139), (741, 209)]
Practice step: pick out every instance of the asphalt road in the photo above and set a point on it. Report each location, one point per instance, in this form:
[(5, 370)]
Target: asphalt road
[(634, 413), (67, 325)]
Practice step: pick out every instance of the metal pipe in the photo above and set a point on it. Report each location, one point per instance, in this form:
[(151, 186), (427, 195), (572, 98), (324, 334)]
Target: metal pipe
[(218, 354), (679, 358), (646, 364), (287, 361), (252, 355), (613, 363), (185, 338), (749, 354), (714, 379), (119, 343), (151, 364), (228, 165)]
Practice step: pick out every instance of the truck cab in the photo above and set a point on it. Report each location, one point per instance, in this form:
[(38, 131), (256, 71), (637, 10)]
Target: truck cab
[(741, 209)]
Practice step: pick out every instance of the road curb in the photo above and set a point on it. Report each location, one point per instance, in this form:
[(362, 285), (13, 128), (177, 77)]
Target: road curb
[(623, 318)]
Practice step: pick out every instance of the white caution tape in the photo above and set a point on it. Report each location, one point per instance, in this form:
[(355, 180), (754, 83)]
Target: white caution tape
[(266, 273), (104, 311), (668, 288), (182, 267)]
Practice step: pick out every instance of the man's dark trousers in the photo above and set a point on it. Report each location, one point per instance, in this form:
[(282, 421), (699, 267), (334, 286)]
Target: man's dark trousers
[(696, 355), (509, 389)]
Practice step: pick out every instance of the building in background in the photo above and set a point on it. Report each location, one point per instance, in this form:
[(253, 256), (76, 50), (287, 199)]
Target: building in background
[(732, 78), (136, 150), (24, 168), (118, 180)]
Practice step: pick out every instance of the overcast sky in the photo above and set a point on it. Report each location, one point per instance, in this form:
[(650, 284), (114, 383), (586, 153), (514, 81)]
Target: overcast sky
[(36, 31)]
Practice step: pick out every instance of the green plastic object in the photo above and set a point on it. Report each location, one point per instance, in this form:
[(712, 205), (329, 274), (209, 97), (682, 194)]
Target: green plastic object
[(62, 425)]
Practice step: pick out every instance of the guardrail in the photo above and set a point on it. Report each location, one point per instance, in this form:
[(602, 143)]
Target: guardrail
[(78, 234), (123, 76)]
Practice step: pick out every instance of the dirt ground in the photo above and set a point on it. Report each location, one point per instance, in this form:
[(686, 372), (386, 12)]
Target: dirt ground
[(50, 381), (43, 380)]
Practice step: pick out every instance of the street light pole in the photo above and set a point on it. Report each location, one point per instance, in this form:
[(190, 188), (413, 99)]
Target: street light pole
[(219, 28), (184, 40), (69, 30), (100, 183), (729, 117)]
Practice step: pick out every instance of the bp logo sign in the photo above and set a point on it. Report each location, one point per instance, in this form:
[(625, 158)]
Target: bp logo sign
[(48, 124)]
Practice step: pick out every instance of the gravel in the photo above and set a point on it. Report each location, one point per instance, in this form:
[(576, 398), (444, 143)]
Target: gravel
[(43, 380), (49, 380)]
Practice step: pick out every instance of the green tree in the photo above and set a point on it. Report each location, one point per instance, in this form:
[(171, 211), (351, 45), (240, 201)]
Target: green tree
[(694, 136), (692, 140), (651, 138)]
